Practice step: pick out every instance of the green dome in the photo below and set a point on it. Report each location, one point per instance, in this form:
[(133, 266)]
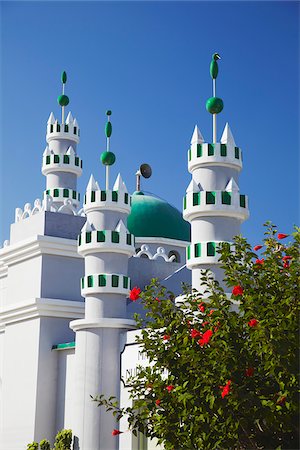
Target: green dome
[(152, 217)]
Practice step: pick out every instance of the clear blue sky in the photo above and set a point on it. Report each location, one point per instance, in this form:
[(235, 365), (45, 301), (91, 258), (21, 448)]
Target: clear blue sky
[(149, 63)]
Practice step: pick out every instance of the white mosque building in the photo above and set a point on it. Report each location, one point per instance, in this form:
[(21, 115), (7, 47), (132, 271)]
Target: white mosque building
[(66, 273)]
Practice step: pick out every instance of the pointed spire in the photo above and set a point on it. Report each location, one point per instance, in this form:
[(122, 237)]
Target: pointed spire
[(47, 151), (192, 187), (92, 184), (197, 137), (70, 151), (232, 186), (51, 119), (227, 137), (69, 118), (86, 227), (121, 227), (75, 123), (119, 184)]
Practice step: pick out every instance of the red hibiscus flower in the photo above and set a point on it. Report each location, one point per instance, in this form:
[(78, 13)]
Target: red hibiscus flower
[(157, 299), (260, 261), (134, 293), (157, 402), (249, 372), (286, 258), (281, 401), (201, 307), (257, 247), (205, 338), (205, 323), (211, 312), (166, 337), (282, 235), (286, 264), (194, 333), (253, 323), (225, 389), (116, 432), (237, 290), (170, 387)]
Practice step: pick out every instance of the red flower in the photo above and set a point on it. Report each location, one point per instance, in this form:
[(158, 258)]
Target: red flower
[(249, 372), (157, 402), (205, 323), (257, 247), (260, 261), (286, 258), (211, 312), (116, 432), (281, 401), (166, 337), (237, 290), (205, 338), (282, 235), (170, 387), (225, 389), (252, 323), (201, 307), (135, 293), (286, 265), (157, 299), (194, 333)]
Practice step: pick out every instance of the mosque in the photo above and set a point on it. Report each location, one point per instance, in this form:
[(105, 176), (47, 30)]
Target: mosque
[(68, 267)]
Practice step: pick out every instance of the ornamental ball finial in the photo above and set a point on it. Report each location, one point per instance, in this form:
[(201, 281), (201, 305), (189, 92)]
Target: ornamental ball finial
[(64, 77), (108, 158), (214, 105), (63, 100), (108, 112)]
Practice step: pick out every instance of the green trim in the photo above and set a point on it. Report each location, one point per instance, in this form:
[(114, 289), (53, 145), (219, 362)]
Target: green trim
[(114, 196), (90, 281), (115, 237), (48, 159), (64, 346), (66, 193), (237, 152), (51, 128), (226, 198), (210, 198), (56, 159), (197, 250), (93, 196), (223, 150), (66, 159), (199, 150), (101, 236), (66, 128), (101, 280), (115, 280), (126, 198), (211, 150), (242, 201), (125, 282), (184, 202), (88, 237), (74, 195), (76, 161), (190, 154), (79, 240), (211, 248), (128, 239), (55, 192), (188, 252), (196, 198), (103, 196)]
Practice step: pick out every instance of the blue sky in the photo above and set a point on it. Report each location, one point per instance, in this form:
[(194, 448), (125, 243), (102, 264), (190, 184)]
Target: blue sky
[(149, 63)]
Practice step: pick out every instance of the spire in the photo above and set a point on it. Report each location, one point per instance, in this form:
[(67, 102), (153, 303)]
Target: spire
[(51, 119), (69, 118), (227, 137), (47, 151), (70, 151), (121, 227), (232, 186), (75, 123), (92, 184), (214, 104), (197, 137), (193, 187), (86, 227), (108, 158), (119, 184), (63, 100)]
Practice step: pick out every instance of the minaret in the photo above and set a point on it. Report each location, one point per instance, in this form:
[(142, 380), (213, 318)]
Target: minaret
[(213, 203), (61, 165), (106, 245)]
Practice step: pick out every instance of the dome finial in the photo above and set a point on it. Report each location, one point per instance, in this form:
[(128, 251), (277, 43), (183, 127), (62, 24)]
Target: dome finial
[(108, 158), (63, 100), (214, 104)]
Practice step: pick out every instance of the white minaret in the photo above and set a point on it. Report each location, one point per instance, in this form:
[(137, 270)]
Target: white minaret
[(213, 203), (106, 245), (61, 165)]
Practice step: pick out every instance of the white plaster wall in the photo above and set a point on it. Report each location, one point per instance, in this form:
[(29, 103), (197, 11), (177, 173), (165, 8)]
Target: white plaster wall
[(2, 337), (24, 280), (65, 388), (62, 180), (214, 177), (215, 229)]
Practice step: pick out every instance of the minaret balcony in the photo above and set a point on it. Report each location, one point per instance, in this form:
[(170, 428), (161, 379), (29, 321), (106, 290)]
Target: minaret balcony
[(98, 241), (202, 253), (105, 283), (215, 203), (62, 131), (60, 194), (98, 200), (62, 163), (204, 155)]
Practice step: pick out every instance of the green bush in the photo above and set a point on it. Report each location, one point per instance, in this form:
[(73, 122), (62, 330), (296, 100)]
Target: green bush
[(33, 446), (63, 440), (45, 445)]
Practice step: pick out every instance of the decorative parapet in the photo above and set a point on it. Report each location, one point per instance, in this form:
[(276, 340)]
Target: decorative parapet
[(69, 130), (160, 253), (61, 194), (112, 200), (215, 203), (55, 162), (105, 283), (47, 205), (201, 155), (106, 241), (204, 252)]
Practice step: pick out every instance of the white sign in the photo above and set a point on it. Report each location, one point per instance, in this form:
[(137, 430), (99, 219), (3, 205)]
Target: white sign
[(132, 358)]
